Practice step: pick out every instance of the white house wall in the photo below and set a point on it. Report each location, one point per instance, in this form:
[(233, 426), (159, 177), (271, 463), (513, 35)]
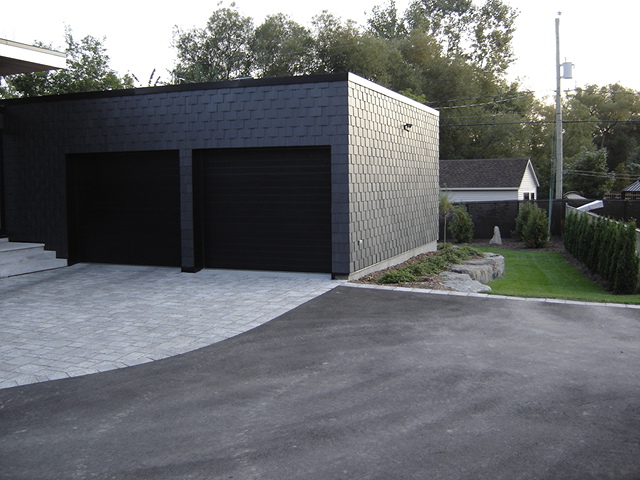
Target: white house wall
[(458, 196), (528, 185)]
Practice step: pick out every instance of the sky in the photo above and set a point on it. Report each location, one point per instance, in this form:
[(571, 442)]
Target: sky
[(597, 38)]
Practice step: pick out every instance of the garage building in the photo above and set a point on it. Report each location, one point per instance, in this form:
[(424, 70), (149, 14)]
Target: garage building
[(328, 173)]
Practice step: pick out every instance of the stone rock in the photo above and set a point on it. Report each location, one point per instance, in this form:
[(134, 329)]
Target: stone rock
[(461, 282), (482, 269), (496, 239), (471, 275)]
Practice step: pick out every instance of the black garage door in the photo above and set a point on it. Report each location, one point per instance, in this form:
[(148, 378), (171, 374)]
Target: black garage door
[(125, 208), (266, 209)]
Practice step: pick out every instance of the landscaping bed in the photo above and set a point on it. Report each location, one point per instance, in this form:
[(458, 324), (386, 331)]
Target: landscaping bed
[(422, 271)]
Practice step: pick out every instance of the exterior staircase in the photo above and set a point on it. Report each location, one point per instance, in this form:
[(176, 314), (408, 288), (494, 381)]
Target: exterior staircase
[(19, 258)]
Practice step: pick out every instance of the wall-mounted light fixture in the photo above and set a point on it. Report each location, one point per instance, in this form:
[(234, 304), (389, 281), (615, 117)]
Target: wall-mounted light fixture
[(407, 126)]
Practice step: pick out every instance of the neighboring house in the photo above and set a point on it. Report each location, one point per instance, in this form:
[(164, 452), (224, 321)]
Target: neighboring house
[(327, 173), (572, 195), (480, 180), (632, 192), (20, 58)]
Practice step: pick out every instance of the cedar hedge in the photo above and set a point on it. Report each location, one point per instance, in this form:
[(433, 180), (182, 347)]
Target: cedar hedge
[(607, 248)]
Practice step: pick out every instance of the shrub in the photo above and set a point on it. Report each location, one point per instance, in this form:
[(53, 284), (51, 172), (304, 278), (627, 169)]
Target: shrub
[(535, 231), (625, 280), (597, 236), (524, 209), (461, 225), (402, 275), (452, 254), (567, 234), (431, 265), (607, 248), (446, 210), (606, 252)]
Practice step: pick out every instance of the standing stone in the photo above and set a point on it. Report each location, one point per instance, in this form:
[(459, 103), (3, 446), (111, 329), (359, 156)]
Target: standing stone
[(497, 239)]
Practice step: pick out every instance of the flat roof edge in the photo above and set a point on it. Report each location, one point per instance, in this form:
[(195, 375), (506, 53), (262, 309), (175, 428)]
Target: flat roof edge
[(390, 93), (242, 82)]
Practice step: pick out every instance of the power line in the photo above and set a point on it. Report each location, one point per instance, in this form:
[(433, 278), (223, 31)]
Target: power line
[(614, 175), (517, 94), (481, 104), (534, 122)]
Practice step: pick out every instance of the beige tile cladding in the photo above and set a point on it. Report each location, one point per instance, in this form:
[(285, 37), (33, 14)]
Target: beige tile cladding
[(393, 175)]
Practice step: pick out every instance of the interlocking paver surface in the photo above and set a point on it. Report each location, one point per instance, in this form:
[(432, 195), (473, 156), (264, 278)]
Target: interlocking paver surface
[(91, 318)]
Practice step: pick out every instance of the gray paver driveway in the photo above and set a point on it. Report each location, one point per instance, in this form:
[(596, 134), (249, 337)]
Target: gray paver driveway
[(92, 318)]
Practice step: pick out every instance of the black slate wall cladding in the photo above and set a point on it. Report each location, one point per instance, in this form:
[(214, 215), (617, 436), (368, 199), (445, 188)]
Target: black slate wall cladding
[(369, 155)]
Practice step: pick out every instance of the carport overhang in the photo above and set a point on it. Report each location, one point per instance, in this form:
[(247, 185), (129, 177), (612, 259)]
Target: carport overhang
[(20, 58)]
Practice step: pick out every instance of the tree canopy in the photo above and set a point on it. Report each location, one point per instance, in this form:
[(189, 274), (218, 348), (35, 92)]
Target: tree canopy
[(219, 51), (452, 55)]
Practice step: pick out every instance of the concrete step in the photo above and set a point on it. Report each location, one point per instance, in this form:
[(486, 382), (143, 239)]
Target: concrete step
[(18, 258)]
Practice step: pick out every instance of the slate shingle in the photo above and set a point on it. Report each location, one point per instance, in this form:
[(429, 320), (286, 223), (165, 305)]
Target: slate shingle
[(482, 173)]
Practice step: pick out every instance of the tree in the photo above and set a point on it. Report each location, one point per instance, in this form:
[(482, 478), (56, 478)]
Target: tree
[(219, 51), (615, 113), (386, 23), (281, 47), (452, 57), (87, 70), (479, 34), (343, 47), (587, 173)]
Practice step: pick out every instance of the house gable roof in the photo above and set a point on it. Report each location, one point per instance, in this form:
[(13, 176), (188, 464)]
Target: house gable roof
[(634, 187), (484, 173)]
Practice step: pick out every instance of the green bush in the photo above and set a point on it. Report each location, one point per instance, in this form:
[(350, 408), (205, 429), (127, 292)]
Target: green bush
[(535, 231), (457, 254), (431, 265), (461, 226), (604, 258), (402, 275), (607, 248), (597, 243), (625, 279), (524, 209), (567, 234)]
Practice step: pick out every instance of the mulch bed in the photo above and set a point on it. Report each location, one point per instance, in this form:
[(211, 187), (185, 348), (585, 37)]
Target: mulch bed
[(431, 282)]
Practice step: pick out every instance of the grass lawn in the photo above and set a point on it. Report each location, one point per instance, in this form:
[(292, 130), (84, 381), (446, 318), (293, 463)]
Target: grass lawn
[(530, 273)]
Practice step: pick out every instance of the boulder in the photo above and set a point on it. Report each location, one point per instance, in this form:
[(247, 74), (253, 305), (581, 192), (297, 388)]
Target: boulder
[(497, 238), (461, 282), (482, 269)]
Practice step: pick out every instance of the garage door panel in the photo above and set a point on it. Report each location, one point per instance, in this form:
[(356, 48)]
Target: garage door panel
[(267, 208), (125, 208)]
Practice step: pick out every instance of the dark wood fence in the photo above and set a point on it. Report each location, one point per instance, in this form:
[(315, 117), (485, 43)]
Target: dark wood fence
[(487, 215)]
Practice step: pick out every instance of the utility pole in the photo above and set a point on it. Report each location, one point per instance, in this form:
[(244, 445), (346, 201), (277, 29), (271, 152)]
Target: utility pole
[(557, 172), (566, 72), (558, 159)]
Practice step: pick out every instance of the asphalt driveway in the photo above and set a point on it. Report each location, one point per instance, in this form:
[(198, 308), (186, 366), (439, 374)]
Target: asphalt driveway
[(355, 384)]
